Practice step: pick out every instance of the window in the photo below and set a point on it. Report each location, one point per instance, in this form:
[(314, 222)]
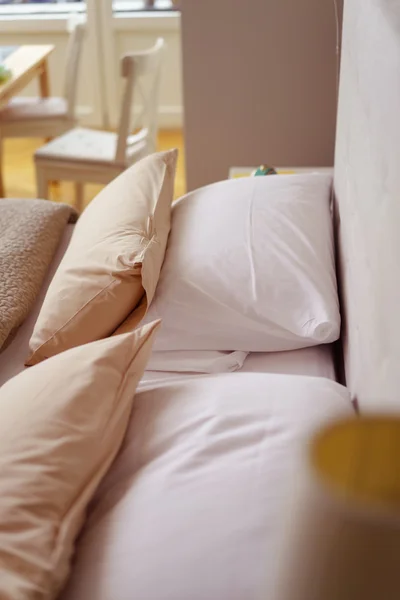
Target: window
[(14, 7), (132, 5)]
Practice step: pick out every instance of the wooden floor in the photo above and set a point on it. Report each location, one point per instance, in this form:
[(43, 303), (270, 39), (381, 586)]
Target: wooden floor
[(19, 175)]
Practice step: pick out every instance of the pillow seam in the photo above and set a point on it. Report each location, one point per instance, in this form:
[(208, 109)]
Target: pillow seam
[(71, 318)]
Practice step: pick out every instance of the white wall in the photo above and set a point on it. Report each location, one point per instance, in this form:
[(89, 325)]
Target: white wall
[(130, 33)]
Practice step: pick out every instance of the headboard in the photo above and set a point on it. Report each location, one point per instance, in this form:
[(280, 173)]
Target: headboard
[(367, 190)]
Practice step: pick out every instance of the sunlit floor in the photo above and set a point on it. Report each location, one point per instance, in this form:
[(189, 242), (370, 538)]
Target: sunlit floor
[(19, 172)]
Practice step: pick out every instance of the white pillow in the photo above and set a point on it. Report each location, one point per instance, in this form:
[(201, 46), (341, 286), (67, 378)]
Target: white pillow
[(250, 266)]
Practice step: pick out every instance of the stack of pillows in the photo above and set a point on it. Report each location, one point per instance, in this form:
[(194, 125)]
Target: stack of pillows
[(64, 419), (249, 266)]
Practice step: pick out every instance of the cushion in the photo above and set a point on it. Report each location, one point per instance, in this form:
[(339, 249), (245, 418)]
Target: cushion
[(28, 109), (62, 423), (250, 266), (25, 258), (194, 504), (113, 260)]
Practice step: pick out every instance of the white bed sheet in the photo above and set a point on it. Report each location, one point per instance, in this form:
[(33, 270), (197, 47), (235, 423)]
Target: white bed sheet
[(316, 361), (193, 507)]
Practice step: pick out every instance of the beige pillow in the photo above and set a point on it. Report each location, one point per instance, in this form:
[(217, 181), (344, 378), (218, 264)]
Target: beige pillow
[(61, 425), (114, 258)]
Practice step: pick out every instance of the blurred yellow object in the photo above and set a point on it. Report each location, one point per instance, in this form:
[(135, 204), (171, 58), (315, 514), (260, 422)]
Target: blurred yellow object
[(360, 460), (343, 535)]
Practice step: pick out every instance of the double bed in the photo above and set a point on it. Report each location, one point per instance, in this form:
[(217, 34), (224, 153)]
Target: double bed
[(193, 504)]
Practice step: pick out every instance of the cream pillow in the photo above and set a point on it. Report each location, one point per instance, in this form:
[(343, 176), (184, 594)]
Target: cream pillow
[(113, 260), (61, 426)]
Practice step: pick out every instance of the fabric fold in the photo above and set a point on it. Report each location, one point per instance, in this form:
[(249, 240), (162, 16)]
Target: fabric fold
[(201, 361)]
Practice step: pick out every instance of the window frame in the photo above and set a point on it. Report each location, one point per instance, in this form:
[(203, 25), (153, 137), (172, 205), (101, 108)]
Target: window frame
[(66, 9)]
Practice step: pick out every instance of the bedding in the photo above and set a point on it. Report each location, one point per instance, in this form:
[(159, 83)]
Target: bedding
[(315, 361), (112, 262), (249, 266), (194, 504), (62, 423), (197, 361), (30, 231)]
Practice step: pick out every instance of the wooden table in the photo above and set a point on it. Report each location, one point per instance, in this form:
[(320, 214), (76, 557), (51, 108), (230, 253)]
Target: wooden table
[(26, 63)]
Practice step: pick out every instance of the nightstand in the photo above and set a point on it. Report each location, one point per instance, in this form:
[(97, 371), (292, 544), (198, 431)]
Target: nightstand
[(235, 172)]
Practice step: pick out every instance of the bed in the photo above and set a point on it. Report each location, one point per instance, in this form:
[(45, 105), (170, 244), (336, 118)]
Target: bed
[(193, 504)]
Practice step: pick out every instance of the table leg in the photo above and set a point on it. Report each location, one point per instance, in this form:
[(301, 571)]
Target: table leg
[(44, 80), (44, 84), (2, 192)]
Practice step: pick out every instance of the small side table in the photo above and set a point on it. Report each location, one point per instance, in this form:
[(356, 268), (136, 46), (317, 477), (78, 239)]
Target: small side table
[(236, 172)]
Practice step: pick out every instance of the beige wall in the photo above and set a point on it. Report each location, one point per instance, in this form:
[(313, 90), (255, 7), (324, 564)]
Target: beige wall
[(259, 84)]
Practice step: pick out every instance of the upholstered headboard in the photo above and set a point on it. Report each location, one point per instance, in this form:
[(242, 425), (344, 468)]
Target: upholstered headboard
[(367, 189)]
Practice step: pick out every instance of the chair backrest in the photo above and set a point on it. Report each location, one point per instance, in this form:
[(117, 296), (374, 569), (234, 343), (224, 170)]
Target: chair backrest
[(142, 71), (74, 53)]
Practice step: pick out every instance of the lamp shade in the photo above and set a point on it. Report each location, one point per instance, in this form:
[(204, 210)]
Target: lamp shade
[(342, 537)]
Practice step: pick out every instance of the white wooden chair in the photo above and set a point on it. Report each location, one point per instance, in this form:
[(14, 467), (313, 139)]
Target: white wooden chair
[(45, 117), (87, 155)]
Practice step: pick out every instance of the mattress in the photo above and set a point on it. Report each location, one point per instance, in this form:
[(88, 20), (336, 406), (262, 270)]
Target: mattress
[(317, 361)]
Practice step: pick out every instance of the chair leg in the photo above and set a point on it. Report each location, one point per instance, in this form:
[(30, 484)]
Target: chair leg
[(79, 194), (42, 184), (2, 190)]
